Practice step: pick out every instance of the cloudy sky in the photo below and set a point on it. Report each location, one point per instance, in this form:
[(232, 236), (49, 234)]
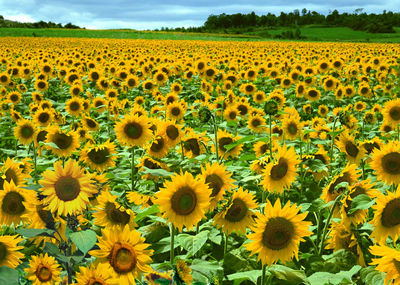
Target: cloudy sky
[(151, 14)]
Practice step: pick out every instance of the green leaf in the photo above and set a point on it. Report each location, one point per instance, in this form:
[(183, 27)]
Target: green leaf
[(371, 276), (317, 165), (29, 233), (360, 202), (84, 240), (147, 212), (8, 276), (288, 275), (192, 243), (230, 146), (342, 277), (239, 277), (316, 205), (251, 177), (53, 250), (157, 172), (207, 268)]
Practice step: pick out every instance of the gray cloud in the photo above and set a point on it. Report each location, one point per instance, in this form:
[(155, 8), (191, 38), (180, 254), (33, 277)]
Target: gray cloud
[(152, 14)]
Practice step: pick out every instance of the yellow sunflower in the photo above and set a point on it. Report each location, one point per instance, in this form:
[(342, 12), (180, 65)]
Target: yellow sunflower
[(349, 175), (193, 143), (67, 189), (237, 214), (9, 255), (43, 270), (96, 274), (184, 200), (256, 123), (184, 272), (64, 143), (74, 106), (43, 117), (176, 111), (281, 173), (386, 163), (25, 131), (387, 217), (109, 213), (388, 263), (348, 145), (172, 131), (218, 179), (391, 111), (12, 172), (159, 147), (278, 233), (13, 202), (99, 157), (124, 253), (224, 139), (133, 130), (292, 127)]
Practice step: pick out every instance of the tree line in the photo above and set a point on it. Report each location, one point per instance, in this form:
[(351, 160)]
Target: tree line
[(358, 20), (37, 25)]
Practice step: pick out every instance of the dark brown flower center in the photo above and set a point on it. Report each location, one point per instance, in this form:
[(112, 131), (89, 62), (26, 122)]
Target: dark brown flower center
[(12, 204), (63, 141), (192, 145), (95, 281), (122, 258), (223, 142), (278, 233), (391, 213), (91, 123), (279, 170), (256, 122), (157, 145), (3, 252), (215, 183), (172, 132), (41, 137), (184, 201), (292, 128), (67, 188), (344, 178), (133, 130), (74, 106), (351, 149), (43, 273), (176, 111), (27, 131), (237, 211), (391, 163), (99, 156), (395, 113), (44, 117), (115, 215), (357, 191), (150, 164), (11, 175)]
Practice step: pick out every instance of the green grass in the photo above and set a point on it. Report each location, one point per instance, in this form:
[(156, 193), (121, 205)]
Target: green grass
[(312, 33)]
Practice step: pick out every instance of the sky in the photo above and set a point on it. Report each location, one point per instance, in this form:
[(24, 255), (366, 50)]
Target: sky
[(153, 14)]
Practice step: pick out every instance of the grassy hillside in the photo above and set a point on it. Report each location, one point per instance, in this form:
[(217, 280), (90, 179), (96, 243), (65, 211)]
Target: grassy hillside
[(311, 33)]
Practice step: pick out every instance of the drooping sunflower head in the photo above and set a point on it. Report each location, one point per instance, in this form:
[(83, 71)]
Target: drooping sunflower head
[(184, 200), (184, 272), (278, 233), (280, 173), (96, 274)]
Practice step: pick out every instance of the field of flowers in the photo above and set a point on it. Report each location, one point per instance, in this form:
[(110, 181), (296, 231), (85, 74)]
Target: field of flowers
[(194, 162)]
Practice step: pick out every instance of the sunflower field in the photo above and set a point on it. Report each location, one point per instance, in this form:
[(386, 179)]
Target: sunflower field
[(195, 162)]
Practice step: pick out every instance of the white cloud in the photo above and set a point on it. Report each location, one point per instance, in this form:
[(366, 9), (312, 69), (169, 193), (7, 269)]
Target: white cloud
[(20, 18)]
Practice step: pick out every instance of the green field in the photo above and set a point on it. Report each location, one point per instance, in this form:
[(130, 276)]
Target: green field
[(311, 33)]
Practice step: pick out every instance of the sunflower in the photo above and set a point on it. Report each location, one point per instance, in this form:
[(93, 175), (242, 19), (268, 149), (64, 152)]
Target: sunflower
[(256, 123), (176, 88), (292, 127), (348, 145), (12, 172), (231, 113), (349, 174), (65, 143), (142, 200), (74, 106), (13, 202), (41, 85), (322, 156), (323, 110), (124, 253), (9, 255), (172, 132), (389, 262), (109, 213), (90, 124), (133, 130), (237, 214), (224, 139), (37, 216), (75, 90), (43, 269), (391, 112), (386, 163), (184, 273), (193, 143), (67, 189), (184, 200), (387, 217), (341, 238), (25, 131), (14, 97), (261, 148), (99, 157), (312, 94), (176, 111), (281, 173), (99, 104), (278, 233), (43, 117), (159, 147), (218, 180), (156, 277), (99, 274)]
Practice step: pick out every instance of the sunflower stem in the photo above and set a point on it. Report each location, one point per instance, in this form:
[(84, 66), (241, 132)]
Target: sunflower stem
[(215, 137), (133, 168), (270, 136), (331, 148), (35, 176), (327, 223), (263, 274), (172, 244), (398, 133), (183, 154)]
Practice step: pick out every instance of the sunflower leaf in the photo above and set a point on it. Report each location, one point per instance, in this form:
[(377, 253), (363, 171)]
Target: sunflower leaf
[(8, 276), (287, 275), (157, 172), (193, 243), (230, 146), (239, 277), (371, 276), (84, 240), (342, 277), (29, 233), (149, 211), (361, 202)]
